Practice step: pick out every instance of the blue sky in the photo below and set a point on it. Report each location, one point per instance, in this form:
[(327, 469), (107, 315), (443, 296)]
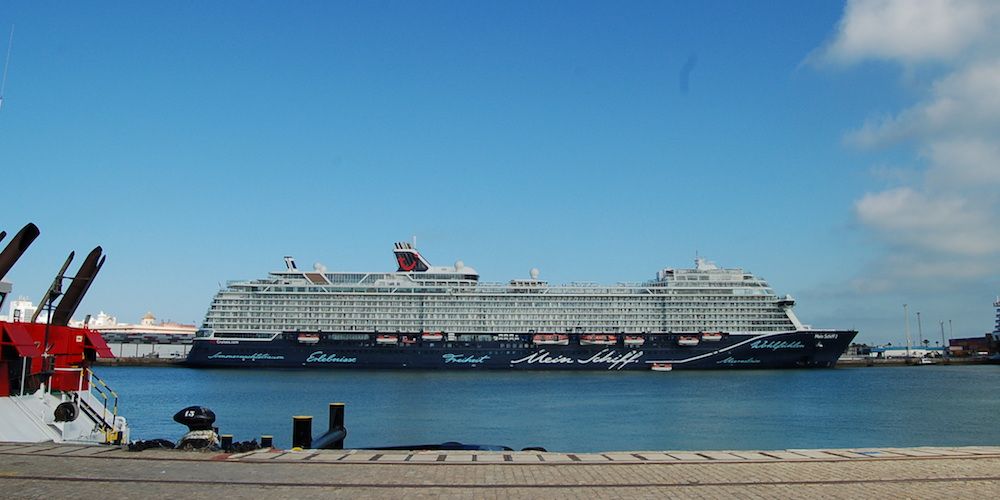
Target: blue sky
[(200, 142)]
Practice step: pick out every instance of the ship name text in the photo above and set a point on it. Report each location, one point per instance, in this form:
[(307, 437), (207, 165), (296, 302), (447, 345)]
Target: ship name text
[(464, 358), (246, 357), (774, 345), (321, 357)]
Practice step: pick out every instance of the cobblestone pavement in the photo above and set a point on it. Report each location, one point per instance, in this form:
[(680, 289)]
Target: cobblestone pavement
[(37, 471)]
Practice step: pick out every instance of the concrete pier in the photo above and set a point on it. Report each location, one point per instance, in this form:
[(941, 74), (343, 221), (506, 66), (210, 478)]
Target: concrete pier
[(49, 470)]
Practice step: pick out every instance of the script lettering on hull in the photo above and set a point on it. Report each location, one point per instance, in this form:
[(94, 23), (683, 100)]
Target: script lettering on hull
[(609, 357), (321, 357), (246, 357), (774, 345), (733, 361), (464, 358)]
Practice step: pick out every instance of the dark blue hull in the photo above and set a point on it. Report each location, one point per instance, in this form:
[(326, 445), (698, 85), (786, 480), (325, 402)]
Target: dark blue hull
[(797, 349)]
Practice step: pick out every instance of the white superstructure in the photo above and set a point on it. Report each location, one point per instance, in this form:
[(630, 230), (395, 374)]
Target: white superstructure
[(452, 299)]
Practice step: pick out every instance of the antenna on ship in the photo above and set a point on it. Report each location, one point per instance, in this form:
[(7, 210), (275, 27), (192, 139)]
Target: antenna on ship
[(3, 80)]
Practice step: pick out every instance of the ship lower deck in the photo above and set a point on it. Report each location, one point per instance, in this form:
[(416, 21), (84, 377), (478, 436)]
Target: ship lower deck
[(794, 349)]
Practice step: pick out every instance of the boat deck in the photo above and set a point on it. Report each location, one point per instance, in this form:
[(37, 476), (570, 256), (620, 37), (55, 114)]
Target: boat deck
[(47, 470)]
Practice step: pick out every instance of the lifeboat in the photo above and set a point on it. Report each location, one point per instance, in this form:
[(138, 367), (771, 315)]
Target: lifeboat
[(408, 340), (308, 338), (711, 336), (550, 339), (687, 340), (634, 340), (662, 367), (598, 340), (387, 340), (432, 337)]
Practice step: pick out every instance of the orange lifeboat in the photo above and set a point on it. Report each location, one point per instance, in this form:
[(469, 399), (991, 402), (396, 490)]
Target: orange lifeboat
[(711, 336), (550, 339), (634, 340), (308, 338), (598, 339), (431, 337), (687, 340), (386, 339)]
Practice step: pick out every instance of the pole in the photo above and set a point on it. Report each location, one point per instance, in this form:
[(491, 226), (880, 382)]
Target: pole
[(946, 349), (906, 315), (920, 331)]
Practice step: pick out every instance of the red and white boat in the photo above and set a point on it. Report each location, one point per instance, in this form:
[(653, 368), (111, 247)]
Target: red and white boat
[(308, 338), (662, 367), (634, 340), (711, 336), (387, 339), (687, 340), (408, 340), (592, 339), (432, 336), (550, 339), (47, 390)]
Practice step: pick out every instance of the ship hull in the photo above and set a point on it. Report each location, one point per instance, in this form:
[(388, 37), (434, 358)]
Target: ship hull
[(794, 349)]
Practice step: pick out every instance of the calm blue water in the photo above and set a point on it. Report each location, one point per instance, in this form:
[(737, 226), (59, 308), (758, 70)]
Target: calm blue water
[(584, 411)]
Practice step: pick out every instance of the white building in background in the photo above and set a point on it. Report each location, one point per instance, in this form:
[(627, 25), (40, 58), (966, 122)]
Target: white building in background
[(21, 310), (108, 324)]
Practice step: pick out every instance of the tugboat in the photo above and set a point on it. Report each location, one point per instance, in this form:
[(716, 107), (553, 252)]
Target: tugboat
[(47, 389)]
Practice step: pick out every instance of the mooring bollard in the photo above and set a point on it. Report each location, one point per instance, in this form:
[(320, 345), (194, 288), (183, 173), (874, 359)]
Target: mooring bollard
[(267, 441), (302, 432), (334, 437), (337, 423), (227, 441)]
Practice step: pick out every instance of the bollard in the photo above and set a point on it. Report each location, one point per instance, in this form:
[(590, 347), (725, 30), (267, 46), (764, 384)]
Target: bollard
[(302, 432), (227, 442), (334, 437), (267, 441), (337, 422)]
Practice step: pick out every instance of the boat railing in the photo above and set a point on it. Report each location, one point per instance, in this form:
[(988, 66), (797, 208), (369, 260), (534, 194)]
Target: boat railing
[(102, 407)]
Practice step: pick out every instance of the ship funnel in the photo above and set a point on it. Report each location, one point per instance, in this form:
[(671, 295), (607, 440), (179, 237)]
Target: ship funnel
[(290, 263), (409, 259)]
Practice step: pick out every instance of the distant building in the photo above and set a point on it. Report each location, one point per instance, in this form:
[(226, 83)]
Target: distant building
[(148, 330), (974, 346), (902, 352)]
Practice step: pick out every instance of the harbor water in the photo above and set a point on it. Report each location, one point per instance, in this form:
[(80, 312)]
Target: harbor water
[(583, 411)]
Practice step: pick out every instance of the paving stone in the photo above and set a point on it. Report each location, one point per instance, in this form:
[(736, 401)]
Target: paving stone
[(525, 458), (680, 455), (556, 457), (785, 455), (752, 455), (397, 457), (656, 456), (621, 457), (719, 455), (425, 457), (490, 457), (592, 457), (818, 454)]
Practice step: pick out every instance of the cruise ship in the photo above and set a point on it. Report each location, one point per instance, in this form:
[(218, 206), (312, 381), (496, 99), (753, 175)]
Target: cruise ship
[(443, 317)]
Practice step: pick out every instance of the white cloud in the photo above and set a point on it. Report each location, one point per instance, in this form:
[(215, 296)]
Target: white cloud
[(910, 31), (917, 220), (943, 222), (964, 102)]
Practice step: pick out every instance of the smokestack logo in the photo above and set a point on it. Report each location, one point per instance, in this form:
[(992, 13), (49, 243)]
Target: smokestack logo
[(407, 261)]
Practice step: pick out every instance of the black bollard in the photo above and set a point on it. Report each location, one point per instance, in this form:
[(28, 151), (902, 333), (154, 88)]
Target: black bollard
[(267, 441), (334, 437), (336, 423), (227, 441), (302, 432)]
